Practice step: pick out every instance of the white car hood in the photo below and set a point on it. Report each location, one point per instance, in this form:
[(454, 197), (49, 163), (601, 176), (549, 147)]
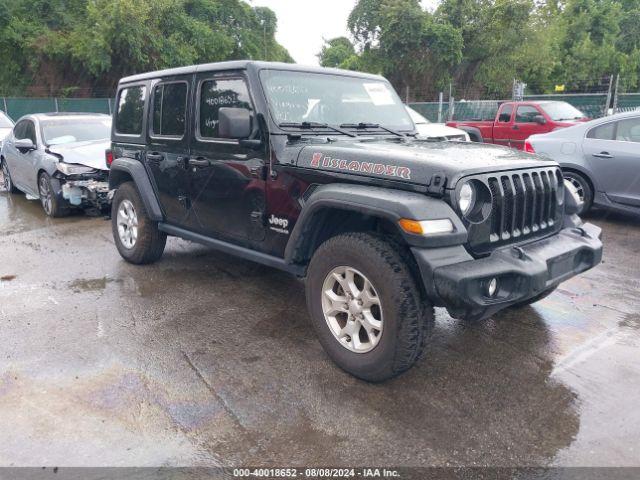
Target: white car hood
[(90, 154), (437, 130)]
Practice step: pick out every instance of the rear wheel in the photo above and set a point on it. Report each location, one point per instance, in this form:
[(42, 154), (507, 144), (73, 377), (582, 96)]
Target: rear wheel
[(136, 236), (6, 178), (583, 187), (366, 307), (51, 203)]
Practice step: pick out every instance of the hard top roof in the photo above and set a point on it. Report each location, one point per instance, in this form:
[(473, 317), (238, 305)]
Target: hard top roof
[(243, 65)]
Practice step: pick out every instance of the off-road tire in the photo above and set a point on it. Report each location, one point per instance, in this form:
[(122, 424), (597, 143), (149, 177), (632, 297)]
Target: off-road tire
[(58, 207), (150, 242), (5, 171), (407, 317), (537, 298), (585, 185)]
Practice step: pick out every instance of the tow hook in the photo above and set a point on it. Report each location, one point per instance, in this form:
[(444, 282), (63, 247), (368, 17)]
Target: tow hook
[(520, 253)]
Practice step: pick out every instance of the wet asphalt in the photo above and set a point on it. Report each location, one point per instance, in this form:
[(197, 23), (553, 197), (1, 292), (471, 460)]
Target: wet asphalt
[(203, 359)]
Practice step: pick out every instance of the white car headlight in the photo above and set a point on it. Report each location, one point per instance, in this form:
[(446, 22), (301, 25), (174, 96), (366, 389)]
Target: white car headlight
[(466, 198), (73, 169)]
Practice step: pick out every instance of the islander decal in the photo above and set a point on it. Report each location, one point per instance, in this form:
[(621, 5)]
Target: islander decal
[(320, 160)]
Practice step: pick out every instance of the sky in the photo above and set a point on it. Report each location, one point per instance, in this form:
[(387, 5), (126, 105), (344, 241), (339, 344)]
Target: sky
[(303, 24)]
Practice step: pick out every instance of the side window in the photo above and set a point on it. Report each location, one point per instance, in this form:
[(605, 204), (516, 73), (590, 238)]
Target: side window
[(25, 129), (603, 132), (628, 130), (169, 109), (130, 110), (215, 94), (526, 114), (505, 114), (30, 132), (20, 129)]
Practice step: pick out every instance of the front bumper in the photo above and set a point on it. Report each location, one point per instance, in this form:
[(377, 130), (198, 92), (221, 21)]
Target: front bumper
[(86, 193), (455, 280)]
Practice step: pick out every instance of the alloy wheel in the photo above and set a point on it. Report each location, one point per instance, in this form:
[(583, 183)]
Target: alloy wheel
[(127, 222), (6, 177), (45, 194), (578, 185), (352, 309)]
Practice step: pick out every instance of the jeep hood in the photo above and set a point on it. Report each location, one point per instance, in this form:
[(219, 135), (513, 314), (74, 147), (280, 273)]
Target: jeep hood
[(414, 161), (90, 154)]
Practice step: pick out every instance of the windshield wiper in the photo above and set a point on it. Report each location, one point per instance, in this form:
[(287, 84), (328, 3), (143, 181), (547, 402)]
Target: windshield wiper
[(312, 125), (364, 126)]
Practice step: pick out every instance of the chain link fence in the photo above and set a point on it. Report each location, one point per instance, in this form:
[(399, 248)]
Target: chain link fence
[(16, 107)]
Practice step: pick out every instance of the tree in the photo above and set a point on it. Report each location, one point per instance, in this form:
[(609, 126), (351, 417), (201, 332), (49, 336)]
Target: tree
[(337, 53), (49, 44)]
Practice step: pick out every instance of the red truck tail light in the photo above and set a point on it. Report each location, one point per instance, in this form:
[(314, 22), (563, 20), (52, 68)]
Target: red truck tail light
[(108, 155), (528, 147)]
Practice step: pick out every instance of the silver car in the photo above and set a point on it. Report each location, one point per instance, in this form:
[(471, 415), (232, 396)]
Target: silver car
[(601, 158), (59, 159)]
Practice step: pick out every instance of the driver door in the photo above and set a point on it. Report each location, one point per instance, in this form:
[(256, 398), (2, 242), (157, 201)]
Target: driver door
[(22, 163), (227, 181)]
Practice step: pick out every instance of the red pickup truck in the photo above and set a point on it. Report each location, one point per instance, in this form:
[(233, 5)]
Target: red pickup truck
[(517, 121)]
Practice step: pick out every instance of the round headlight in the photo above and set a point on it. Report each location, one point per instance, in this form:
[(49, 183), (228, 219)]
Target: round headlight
[(466, 198)]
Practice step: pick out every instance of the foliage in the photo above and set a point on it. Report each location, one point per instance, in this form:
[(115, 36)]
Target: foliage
[(482, 45), (47, 44)]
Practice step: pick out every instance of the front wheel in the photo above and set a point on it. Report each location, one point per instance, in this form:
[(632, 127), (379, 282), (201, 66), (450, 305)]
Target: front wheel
[(136, 236), (366, 307), (48, 189)]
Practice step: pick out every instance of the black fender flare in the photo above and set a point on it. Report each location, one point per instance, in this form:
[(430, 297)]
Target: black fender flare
[(472, 131), (385, 203), (124, 168)]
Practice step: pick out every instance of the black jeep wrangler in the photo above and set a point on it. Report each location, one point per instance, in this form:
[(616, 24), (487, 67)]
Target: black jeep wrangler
[(319, 172)]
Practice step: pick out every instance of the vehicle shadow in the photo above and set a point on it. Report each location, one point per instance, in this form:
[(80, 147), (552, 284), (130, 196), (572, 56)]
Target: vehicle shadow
[(482, 395)]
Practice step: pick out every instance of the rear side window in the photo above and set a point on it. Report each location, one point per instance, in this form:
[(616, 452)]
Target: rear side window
[(169, 109), (505, 114), (130, 111), (603, 132), (526, 114), (215, 94), (628, 130)]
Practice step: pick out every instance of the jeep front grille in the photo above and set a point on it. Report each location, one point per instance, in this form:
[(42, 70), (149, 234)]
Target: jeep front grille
[(524, 206)]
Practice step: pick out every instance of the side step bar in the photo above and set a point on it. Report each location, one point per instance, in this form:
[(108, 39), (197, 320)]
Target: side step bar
[(231, 249)]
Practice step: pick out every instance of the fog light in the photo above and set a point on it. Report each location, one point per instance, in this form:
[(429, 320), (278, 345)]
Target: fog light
[(492, 287)]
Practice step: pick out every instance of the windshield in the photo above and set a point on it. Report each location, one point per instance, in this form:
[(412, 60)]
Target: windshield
[(58, 132), (296, 97), (562, 111), (5, 122)]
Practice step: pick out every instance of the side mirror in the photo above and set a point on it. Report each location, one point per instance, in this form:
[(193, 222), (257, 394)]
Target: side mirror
[(24, 144), (539, 119), (234, 123)]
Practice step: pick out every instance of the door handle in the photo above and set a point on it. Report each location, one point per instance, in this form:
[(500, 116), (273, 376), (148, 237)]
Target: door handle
[(603, 155), (516, 127), (155, 157), (199, 162)]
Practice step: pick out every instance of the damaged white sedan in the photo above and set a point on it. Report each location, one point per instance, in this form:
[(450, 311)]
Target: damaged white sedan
[(59, 158)]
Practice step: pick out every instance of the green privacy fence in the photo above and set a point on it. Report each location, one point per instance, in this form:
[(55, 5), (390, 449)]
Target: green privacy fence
[(17, 107), (593, 105), (628, 102)]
